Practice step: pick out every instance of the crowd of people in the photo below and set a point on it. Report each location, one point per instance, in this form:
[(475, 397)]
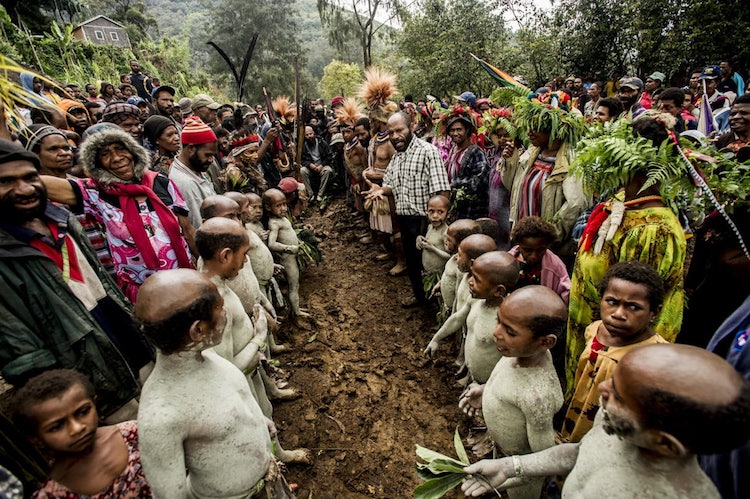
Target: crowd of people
[(149, 245)]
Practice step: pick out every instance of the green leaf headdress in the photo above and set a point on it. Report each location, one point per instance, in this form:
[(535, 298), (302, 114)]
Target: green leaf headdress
[(610, 156), (535, 115), (498, 119)]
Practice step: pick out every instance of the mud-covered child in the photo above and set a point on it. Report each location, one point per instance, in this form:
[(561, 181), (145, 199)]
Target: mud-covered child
[(492, 275), (632, 294), (282, 240), (456, 232), (523, 393), (57, 411), (432, 244)]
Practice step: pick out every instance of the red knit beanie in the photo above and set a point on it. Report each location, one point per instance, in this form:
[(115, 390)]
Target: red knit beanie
[(196, 132)]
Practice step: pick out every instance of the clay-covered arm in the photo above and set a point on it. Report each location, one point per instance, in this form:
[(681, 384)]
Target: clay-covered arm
[(164, 459), (450, 326), (273, 243), (59, 190), (441, 253), (557, 460), (247, 359)]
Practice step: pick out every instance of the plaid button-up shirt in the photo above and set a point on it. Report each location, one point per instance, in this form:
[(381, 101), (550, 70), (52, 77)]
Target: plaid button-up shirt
[(415, 175)]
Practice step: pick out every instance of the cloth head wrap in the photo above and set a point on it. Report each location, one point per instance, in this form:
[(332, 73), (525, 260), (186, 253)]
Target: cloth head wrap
[(36, 138), (10, 151)]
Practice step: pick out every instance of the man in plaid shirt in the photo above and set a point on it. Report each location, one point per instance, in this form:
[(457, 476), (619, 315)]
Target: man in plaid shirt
[(414, 175)]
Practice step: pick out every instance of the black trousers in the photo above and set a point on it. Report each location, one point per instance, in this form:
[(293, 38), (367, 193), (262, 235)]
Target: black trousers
[(411, 227)]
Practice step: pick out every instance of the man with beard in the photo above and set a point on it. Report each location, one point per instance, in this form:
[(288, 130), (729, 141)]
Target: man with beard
[(140, 81), (59, 309), (163, 98), (414, 175), (316, 166), (630, 96), (663, 405), (188, 170)]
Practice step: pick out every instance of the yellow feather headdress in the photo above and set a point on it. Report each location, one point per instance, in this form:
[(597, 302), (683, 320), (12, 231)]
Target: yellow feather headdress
[(286, 111), (349, 112), (379, 86)]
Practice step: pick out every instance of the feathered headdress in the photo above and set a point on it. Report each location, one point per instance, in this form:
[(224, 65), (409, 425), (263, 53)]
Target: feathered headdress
[(285, 110), (379, 86), (349, 112)]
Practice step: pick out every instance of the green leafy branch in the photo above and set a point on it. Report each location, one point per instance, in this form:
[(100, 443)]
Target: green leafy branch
[(440, 472)]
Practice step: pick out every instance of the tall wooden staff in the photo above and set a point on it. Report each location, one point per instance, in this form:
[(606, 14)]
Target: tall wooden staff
[(299, 123)]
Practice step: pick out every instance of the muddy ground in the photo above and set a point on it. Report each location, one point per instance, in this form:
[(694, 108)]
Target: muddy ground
[(368, 393)]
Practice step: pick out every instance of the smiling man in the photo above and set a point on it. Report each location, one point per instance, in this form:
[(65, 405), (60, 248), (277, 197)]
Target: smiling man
[(738, 135), (55, 291), (414, 175)]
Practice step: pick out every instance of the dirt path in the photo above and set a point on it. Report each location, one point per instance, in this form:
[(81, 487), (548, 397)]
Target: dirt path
[(368, 393)]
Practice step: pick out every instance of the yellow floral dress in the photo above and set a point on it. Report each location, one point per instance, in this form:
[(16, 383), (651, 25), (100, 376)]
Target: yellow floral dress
[(650, 235)]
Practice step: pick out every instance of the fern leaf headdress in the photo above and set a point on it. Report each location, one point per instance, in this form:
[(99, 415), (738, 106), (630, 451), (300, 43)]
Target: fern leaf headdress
[(535, 115)]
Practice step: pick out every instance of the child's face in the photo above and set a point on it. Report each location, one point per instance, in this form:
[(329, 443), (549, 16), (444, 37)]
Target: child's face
[(277, 207), (480, 284), (436, 212), (625, 309), (67, 424), (463, 262), (532, 249), (255, 208), (512, 337), (450, 241), (236, 261), (500, 138), (245, 215)]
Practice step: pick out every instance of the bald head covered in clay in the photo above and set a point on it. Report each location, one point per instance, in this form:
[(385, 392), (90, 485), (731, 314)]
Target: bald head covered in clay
[(546, 312), (216, 234), (500, 267), (172, 301), (220, 206), (477, 244), (689, 393)]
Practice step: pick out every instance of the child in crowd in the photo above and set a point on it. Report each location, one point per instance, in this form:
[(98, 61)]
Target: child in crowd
[(282, 239), (492, 275), (432, 245), (457, 232), (260, 256), (57, 410), (632, 295), (223, 244), (523, 393), (539, 265)]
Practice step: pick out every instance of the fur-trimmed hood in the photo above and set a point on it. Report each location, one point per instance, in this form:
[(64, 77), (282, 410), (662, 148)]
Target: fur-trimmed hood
[(90, 149)]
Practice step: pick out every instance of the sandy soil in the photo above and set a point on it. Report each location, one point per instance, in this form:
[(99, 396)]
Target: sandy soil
[(368, 393)]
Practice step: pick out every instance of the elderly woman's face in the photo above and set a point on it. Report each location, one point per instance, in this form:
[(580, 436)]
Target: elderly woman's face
[(117, 160)]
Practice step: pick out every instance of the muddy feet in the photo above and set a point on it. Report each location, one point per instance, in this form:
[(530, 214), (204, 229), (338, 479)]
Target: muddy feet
[(296, 456)]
